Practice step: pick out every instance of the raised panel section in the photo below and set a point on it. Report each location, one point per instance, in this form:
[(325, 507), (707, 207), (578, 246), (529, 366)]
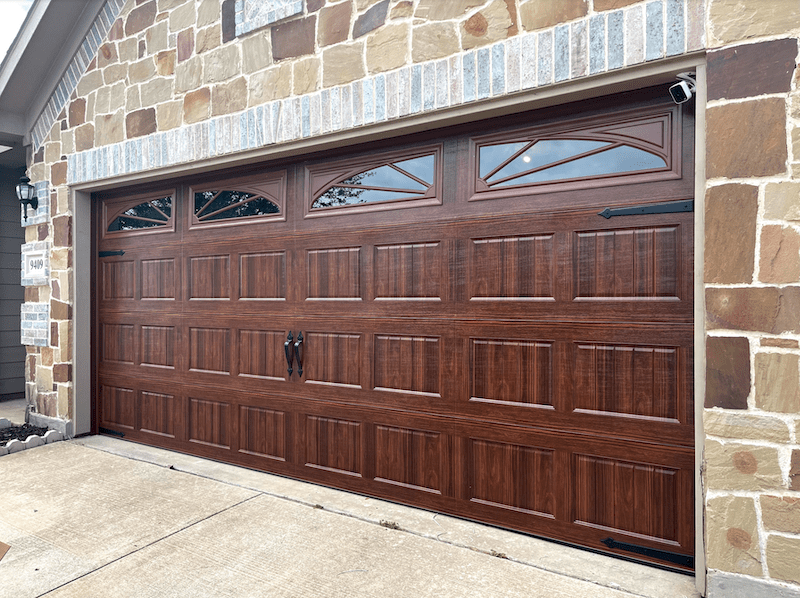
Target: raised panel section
[(635, 498), (118, 280), (407, 363), (262, 275), (410, 458), (632, 380), (209, 422), (117, 343), (262, 432), (333, 444), (261, 354), (513, 371), (409, 271), (513, 477), (158, 414), (209, 350), (118, 406), (158, 346), (333, 359), (334, 273), (209, 277), (158, 279), (513, 268), (639, 263)]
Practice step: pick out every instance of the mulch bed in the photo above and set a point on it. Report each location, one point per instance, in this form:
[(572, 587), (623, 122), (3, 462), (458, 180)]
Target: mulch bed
[(20, 433)]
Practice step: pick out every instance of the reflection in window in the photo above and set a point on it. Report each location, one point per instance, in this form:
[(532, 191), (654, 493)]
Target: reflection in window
[(149, 214), (220, 205), (541, 161), (407, 179)]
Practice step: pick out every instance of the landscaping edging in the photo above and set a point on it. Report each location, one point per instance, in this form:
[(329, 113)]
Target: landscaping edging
[(15, 446)]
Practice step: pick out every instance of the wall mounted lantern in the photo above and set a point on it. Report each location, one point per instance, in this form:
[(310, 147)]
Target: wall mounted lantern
[(26, 193)]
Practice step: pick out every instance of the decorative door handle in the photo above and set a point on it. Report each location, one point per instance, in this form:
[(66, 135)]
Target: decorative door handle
[(288, 348), (298, 352)]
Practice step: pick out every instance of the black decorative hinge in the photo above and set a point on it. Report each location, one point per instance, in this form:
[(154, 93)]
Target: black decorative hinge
[(111, 432), (681, 560), (110, 253), (668, 207)]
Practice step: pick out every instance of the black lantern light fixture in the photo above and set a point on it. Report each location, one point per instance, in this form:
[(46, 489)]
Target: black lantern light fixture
[(26, 193)]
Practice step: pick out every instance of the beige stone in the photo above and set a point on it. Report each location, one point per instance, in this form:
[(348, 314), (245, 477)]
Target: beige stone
[(221, 64), (208, 39), (103, 102), (305, 75), (777, 382), (165, 5), (780, 255), (64, 402), (156, 91), (208, 13), (157, 38), (365, 4), (182, 17), (128, 50), (52, 152), (486, 26), (735, 20), (107, 54), (68, 142), (89, 107), (114, 73), (271, 84), (44, 379), (342, 64), (538, 14), (84, 137), (89, 82), (742, 426), (783, 558), (189, 74), (734, 466), (230, 97), (30, 236), (436, 10), (169, 115), (434, 40), (142, 70), (401, 10), (256, 52), (109, 128), (165, 63), (47, 356), (782, 201), (196, 105), (116, 97), (132, 99), (387, 48), (781, 513)]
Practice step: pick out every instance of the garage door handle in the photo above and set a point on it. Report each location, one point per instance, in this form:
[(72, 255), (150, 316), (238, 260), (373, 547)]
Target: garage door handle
[(298, 352), (288, 348)]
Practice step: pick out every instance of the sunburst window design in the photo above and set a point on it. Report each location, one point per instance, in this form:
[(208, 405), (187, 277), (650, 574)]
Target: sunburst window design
[(149, 214), (221, 205), (394, 181)]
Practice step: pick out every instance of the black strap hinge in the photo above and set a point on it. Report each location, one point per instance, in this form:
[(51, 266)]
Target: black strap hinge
[(667, 207), (682, 560)]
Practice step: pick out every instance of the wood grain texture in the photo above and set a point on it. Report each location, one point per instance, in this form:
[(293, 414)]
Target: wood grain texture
[(209, 422), (408, 271), (118, 280), (158, 279), (512, 371), (263, 275), (157, 413), (262, 432), (411, 458), (334, 444), (209, 277), (407, 363), (513, 267)]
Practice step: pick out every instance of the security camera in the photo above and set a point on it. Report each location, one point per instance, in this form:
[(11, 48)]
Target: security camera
[(682, 91)]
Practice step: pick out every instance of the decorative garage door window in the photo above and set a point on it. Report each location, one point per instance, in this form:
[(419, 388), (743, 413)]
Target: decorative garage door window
[(228, 201), (605, 153), (392, 179), (150, 214)]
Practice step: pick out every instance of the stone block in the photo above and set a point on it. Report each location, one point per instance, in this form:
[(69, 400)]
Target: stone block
[(60, 310), (62, 372), (727, 372), (196, 105), (782, 343), (730, 215), (334, 24), (783, 558), (208, 38), (735, 20), (742, 426), (62, 231), (140, 123), (115, 73), (156, 91), (728, 585), (256, 53), (47, 356), (208, 13), (52, 436), (751, 70), (794, 465), (780, 255), (77, 112), (612, 4), (33, 441), (306, 75), (734, 466), (436, 10), (15, 446), (781, 513), (293, 39), (189, 74), (342, 64), (227, 98), (434, 40), (108, 129), (169, 115), (140, 18), (271, 84), (182, 17), (371, 20), (58, 173), (132, 99), (746, 139), (732, 529), (777, 382), (60, 258), (539, 14), (782, 201), (185, 44), (765, 309), (221, 64), (402, 10), (117, 30), (165, 62), (387, 49), (157, 38), (489, 25), (128, 50), (142, 70), (84, 137)]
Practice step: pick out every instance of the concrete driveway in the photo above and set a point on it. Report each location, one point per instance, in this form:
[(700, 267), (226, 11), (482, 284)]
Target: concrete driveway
[(104, 517)]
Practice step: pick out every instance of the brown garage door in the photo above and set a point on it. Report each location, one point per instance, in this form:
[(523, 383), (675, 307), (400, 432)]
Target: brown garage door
[(448, 322)]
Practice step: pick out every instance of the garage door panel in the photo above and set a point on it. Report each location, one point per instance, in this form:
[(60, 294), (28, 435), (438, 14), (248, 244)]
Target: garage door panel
[(264, 432), (262, 275)]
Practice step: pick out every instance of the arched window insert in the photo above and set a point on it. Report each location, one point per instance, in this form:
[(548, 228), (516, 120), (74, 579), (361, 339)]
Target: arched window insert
[(153, 213), (227, 204)]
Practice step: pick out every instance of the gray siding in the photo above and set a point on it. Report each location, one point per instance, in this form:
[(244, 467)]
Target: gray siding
[(12, 236)]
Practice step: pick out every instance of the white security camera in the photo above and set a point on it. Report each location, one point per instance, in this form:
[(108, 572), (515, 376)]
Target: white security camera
[(682, 91)]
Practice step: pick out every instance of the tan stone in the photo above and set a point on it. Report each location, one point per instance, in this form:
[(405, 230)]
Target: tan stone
[(58, 173), (116, 96), (342, 64), (777, 382), (230, 97), (182, 17), (538, 14), (107, 54), (781, 513), (782, 201), (64, 400), (189, 74), (65, 335), (221, 64), (52, 152), (196, 105), (742, 426), (782, 343), (732, 535), (734, 466), (487, 26), (208, 39), (128, 50), (109, 128), (142, 70), (132, 99), (208, 13), (156, 91), (169, 115), (157, 38), (436, 10), (140, 18), (364, 4), (165, 63), (256, 53), (401, 10), (140, 123), (44, 378), (271, 84), (730, 220), (333, 26), (387, 49), (434, 40), (84, 137), (783, 558), (612, 4), (734, 20), (47, 356), (114, 73), (89, 82), (68, 141), (764, 309), (30, 234), (780, 255), (305, 77), (103, 101), (165, 5)]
